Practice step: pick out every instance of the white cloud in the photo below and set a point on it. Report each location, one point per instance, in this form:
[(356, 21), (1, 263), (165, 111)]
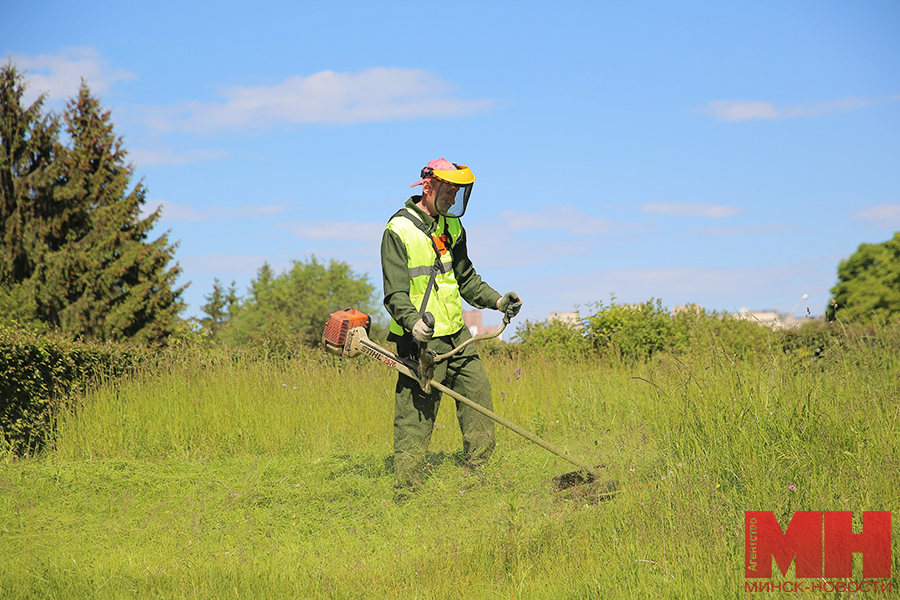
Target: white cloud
[(143, 158), (517, 238), (754, 110), (185, 212), (750, 229), (378, 94), (336, 230), (737, 110), (881, 213), (686, 209), (171, 211), (565, 218), (59, 75), (227, 266), (492, 248)]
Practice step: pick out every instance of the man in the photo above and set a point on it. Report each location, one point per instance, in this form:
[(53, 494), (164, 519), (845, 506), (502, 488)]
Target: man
[(426, 268)]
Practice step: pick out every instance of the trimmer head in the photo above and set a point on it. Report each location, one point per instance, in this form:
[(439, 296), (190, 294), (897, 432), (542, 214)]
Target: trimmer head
[(572, 478), (584, 486)]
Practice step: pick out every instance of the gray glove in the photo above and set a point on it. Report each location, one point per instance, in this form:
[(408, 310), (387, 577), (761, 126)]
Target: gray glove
[(422, 331), (509, 303)]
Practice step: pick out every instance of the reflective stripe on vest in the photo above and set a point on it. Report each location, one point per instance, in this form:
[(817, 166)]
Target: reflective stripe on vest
[(444, 302)]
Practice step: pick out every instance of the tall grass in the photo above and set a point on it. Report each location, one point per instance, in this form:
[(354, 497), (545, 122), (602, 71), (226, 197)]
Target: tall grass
[(307, 406), (247, 477)]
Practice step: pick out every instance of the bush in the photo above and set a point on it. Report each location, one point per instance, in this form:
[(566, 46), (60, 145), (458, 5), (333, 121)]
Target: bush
[(637, 331), (554, 337), (38, 371), (812, 340), (824, 341), (734, 338)]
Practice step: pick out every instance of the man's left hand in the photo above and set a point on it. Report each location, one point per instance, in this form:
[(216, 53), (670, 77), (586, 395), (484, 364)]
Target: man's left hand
[(509, 303)]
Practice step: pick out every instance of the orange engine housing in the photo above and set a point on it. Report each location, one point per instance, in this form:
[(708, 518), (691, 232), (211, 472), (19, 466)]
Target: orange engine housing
[(341, 322)]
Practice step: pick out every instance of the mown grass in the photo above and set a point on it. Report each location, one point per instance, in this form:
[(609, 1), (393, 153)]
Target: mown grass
[(264, 478)]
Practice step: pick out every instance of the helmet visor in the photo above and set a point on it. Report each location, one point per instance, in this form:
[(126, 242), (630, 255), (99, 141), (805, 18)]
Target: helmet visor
[(452, 199)]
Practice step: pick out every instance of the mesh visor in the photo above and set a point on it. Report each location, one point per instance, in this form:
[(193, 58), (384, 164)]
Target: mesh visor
[(452, 199)]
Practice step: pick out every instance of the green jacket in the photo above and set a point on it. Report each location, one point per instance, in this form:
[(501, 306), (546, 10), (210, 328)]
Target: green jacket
[(395, 267)]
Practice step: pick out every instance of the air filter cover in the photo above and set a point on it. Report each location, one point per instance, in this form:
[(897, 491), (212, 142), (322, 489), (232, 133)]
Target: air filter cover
[(341, 322)]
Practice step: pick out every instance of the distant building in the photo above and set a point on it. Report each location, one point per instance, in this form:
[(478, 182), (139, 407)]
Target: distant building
[(472, 319), (771, 318), (685, 309), (572, 319)]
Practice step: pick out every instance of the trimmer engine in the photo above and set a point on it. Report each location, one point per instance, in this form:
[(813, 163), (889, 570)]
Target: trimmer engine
[(334, 338)]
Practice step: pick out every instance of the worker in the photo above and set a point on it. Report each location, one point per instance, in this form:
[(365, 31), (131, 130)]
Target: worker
[(426, 268)]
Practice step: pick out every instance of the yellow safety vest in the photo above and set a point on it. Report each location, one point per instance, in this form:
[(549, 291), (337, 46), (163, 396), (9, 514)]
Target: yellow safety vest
[(444, 300)]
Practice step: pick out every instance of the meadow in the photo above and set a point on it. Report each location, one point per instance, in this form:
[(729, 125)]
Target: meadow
[(244, 476)]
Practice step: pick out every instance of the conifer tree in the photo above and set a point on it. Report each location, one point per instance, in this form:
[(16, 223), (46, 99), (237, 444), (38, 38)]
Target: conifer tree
[(118, 284), (75, 251), (219, 308), (28, 151)]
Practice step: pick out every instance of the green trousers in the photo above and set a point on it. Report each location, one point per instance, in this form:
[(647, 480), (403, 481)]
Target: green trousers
[(415, 411)]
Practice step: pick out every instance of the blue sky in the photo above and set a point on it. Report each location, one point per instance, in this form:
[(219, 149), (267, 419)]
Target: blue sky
[(727, 154)]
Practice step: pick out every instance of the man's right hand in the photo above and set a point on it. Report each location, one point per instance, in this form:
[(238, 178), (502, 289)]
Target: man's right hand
[(422, 331)]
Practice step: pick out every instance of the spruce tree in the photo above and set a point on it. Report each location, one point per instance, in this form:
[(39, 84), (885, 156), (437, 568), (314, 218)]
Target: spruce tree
[(214, 309), (75, 251), (117, 284), (29, 148), (219, 308)]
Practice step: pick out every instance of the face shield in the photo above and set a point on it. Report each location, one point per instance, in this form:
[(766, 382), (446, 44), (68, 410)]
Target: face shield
[(453, 191), (451, 200)]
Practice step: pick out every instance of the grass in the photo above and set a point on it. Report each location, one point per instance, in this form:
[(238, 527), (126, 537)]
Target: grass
[(249, 478)]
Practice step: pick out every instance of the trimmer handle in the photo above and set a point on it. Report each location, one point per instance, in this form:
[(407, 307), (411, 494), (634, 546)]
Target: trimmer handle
[(426, 357)]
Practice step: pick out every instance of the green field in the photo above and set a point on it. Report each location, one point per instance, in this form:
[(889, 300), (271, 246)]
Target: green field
[(236, 477)]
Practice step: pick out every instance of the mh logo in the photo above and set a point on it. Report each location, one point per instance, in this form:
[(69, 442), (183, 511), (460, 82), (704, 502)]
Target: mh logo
[(817, 539)]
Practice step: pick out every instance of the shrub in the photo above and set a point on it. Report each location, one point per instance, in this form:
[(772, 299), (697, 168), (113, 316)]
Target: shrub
[(637, 331), (735, 338), (838, 340), (554, 337), (39, 370), (812, 340)]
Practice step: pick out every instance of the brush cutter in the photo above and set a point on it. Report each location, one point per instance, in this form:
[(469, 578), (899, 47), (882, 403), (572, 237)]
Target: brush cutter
[(346, 334)]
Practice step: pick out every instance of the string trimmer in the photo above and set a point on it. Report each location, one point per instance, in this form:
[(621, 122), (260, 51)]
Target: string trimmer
[(346, 334)]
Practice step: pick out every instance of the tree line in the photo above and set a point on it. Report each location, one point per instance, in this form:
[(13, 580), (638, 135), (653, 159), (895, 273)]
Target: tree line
[(287, 309)]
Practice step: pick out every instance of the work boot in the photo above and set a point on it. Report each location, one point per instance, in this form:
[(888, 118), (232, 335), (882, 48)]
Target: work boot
[(477, 448), (402, 495), (409, 470)]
